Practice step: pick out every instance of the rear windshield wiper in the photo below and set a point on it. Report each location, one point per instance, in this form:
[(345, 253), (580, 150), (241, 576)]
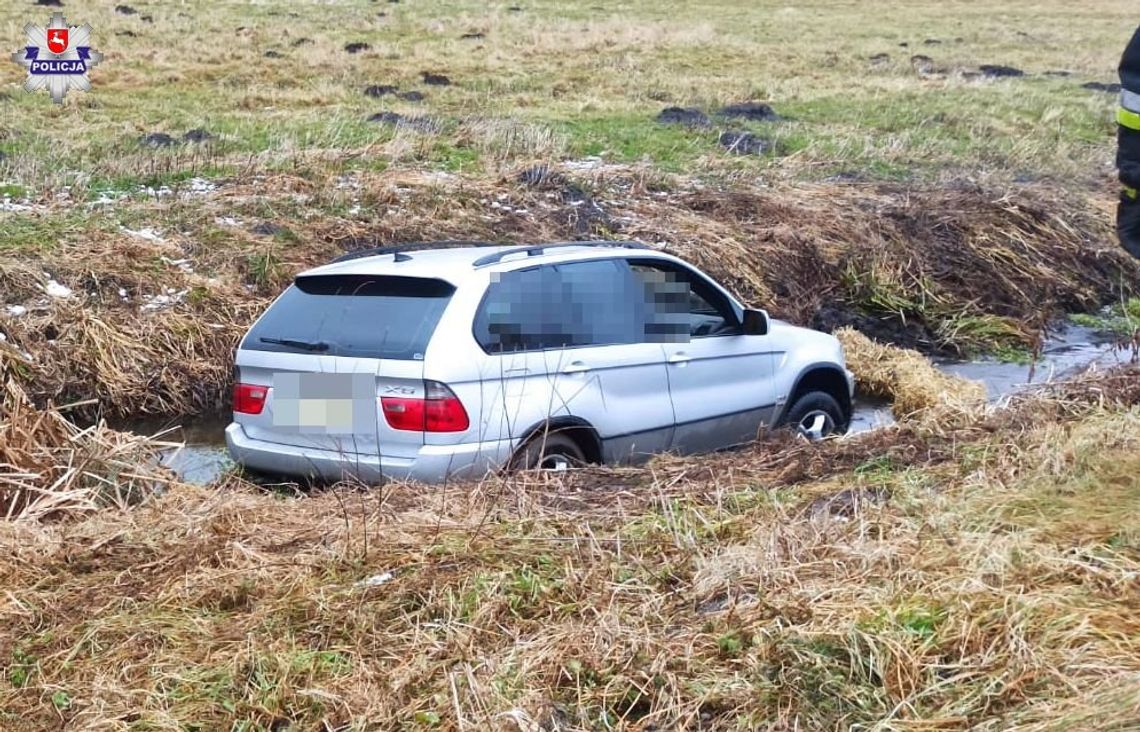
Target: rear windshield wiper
[(315, 346)]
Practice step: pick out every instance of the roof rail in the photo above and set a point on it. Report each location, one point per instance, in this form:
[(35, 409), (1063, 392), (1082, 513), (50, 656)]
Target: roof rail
[(400, 249), (540, 249)]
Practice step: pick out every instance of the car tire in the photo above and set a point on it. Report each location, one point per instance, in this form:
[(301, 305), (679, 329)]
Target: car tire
[(548, 451), (816, 415)]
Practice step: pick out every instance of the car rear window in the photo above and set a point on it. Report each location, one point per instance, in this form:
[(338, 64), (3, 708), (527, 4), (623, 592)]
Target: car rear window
[(366, 316)]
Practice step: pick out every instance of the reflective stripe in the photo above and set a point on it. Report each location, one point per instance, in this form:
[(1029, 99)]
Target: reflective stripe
[(1130, 192), (1130, 100), (1128, 118)]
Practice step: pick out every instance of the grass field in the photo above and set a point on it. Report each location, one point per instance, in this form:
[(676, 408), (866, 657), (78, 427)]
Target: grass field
[(551, 81), (970, 568)]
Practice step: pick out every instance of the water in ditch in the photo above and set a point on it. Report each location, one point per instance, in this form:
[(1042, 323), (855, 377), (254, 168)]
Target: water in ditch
[(202, 458)]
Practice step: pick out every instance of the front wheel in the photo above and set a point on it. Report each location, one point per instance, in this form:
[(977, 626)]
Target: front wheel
[(548, 451), (816, 415)]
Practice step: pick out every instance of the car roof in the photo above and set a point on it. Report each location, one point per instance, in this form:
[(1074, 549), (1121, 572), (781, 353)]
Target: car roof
[(457, 263)]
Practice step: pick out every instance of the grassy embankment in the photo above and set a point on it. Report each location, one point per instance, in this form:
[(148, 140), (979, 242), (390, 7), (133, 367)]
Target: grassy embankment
[(966, 569)]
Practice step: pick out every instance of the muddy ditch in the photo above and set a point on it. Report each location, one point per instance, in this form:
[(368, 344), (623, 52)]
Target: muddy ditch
[(131, 326), (1071, 350)]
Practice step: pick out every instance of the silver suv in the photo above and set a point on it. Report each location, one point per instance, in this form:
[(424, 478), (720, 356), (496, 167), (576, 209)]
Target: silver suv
[(454, 359)]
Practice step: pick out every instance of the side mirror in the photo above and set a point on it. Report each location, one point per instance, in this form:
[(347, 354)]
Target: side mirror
[(755, 322)]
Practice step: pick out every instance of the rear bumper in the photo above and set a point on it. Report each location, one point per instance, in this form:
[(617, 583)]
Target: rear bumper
[(433, 463)]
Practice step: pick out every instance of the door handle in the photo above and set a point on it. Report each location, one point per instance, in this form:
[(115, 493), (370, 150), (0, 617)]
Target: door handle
[(575, 367), (680, 358)]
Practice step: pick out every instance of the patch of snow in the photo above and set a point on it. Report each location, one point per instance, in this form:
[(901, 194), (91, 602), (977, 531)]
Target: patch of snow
[(55, 289), (144, 233), (182, 264), (105, 199), (160, 192), (16, 311), (347, 182), (11, 207), (160, 302), (227, 221), (376, 580), (201, 185), (587, 163)]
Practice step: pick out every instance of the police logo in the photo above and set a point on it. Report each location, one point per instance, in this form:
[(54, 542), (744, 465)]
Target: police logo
[(57, 57)]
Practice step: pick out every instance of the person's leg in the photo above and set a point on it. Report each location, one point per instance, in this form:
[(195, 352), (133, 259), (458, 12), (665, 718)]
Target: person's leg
[(1128, 148)]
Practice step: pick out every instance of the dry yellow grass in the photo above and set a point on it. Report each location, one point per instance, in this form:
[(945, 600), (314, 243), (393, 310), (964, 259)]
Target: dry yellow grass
[(906, 377), (970, 569), (958, 270), (917, 578), (49, 467)]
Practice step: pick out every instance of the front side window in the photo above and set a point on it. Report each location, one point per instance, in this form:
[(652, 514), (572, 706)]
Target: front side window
[(682, 305)]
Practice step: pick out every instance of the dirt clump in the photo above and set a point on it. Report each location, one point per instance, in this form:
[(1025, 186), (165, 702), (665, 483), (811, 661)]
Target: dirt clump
[(157, 139), (751, 111), (744, 143), (380, 90), (197, 135), (412, 122), (1111, 88), (688, 116), (924, 65), (997, 71)]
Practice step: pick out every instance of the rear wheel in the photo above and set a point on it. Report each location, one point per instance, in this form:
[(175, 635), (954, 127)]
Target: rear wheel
[(548, 451), (816, 415)]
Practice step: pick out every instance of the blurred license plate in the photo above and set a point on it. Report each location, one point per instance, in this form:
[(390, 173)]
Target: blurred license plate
[(325, 403)]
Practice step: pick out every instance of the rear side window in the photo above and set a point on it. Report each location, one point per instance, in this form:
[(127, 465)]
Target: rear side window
[(588, 303), (367, 316)]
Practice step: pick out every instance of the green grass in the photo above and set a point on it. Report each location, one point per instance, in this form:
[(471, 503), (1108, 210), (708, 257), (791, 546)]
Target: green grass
[(1121, 319), (599, 74)]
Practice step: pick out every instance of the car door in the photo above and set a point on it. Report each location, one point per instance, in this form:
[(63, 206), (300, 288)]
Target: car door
[(720, 380), (563, 344), (608, 374)]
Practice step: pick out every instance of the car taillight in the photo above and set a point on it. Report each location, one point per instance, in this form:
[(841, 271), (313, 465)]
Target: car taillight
[(439, 411), (249, 398)]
